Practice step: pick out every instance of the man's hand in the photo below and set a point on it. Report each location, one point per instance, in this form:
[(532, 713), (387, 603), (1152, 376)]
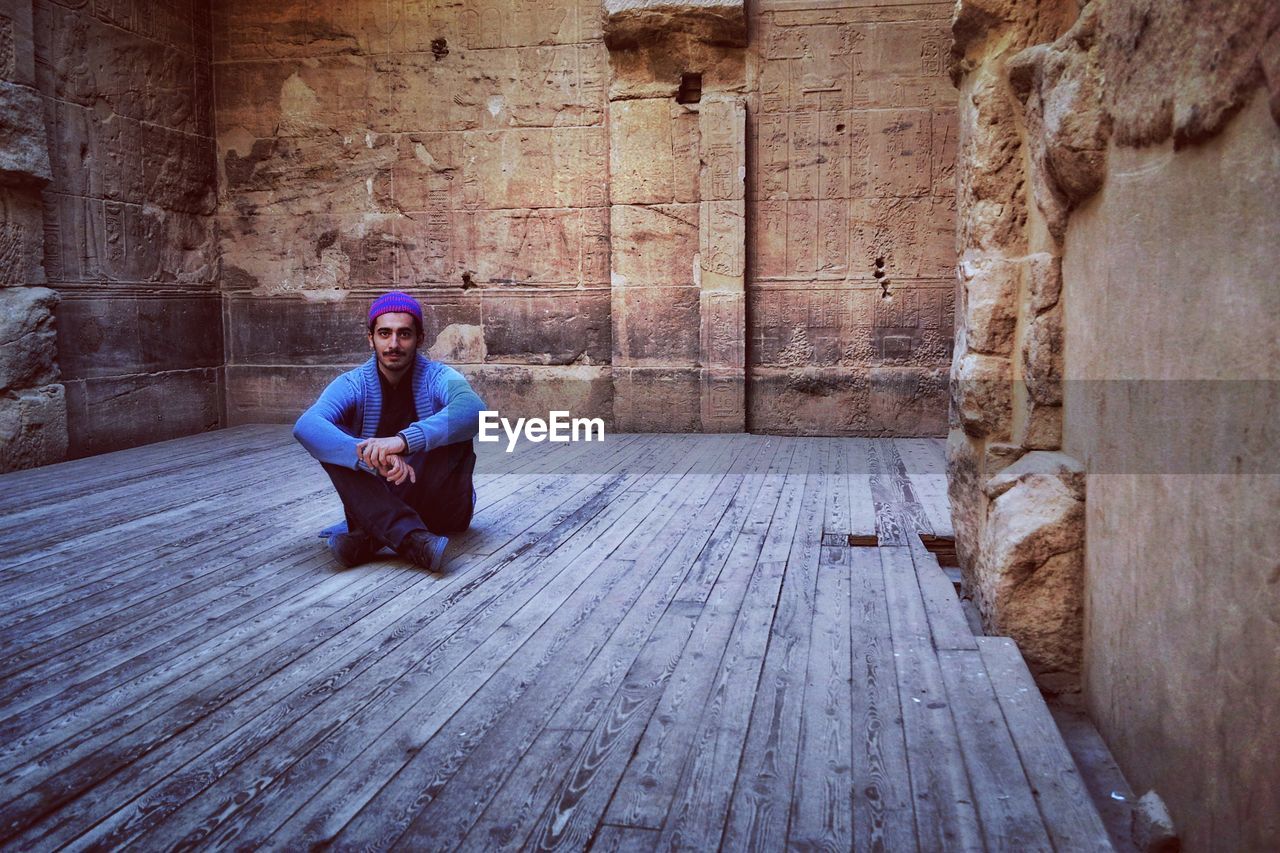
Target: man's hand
[(378, 452), (398, 470)]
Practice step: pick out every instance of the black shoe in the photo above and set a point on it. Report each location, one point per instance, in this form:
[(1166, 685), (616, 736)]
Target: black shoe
[(424, 549), (351, 550)]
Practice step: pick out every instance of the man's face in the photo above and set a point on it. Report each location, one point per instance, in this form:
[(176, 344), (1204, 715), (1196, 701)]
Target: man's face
[(395, 340)]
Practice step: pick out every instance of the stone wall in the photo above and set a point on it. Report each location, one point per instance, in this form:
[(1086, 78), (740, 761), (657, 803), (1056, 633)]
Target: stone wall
[(455, 151), (33, 425), (571, 190), (852, 135), (1112, 460), (129, 240)]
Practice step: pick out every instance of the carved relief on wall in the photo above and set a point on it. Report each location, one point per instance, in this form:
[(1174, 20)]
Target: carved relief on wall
[(852, 206)]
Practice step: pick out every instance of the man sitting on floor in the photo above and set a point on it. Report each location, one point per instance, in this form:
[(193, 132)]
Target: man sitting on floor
[(395, 435)]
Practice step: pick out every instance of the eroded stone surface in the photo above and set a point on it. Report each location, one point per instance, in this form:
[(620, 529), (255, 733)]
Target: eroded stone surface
[(24, 152), (1169, 77), (1029, 569), (28, 341), (33, 428)]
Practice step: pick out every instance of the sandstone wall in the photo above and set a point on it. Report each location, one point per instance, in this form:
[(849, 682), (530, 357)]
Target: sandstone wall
[(129, 240), (1112, 463), (852, 135), (33, 426), (456, 151), (571, 189)]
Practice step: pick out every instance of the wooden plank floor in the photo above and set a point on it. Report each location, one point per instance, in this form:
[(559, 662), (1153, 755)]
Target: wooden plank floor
[(661, 641)]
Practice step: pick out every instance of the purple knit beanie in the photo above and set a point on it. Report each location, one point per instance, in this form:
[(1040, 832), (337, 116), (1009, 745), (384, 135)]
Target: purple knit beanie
[(396, 302)]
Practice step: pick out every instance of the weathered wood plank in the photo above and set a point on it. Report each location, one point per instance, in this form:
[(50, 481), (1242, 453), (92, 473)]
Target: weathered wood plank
[(1010, 820), (1068, 812), (457, 604), (944, 805), (399, 806), (650, 779), (658, 637), (947, 625), (760, 805), (862, 509), (884, 817), (524, 793), (387, 736), (624, 839), (821, 808)]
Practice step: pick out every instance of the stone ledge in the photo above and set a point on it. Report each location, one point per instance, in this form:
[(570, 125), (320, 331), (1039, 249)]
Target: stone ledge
[(630, 23)]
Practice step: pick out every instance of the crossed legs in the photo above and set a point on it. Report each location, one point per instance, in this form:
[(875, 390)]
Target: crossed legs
[(441, 500)]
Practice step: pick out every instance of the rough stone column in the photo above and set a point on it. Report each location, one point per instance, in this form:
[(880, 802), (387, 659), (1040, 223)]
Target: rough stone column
[(33, 409), (722, 250), (1017, 506)]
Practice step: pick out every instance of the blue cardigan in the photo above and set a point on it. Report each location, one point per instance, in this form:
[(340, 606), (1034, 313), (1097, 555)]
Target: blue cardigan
[(348, 411)]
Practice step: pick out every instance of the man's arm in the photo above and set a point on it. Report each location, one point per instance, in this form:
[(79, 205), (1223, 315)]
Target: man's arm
[(319, 430), (457, 418)]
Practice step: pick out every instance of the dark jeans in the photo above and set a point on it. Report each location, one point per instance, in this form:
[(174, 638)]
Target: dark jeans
[(440, 500)]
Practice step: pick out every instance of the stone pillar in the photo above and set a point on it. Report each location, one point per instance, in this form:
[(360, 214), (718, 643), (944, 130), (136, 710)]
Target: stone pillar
[(677, 162), (33, 409), (722, 248)]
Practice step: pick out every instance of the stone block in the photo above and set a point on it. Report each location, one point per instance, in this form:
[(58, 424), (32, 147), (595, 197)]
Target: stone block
[(75, 157), (1039, 427), (22, 242), (1042, 357), (842, 401), (641, 162), (943, 139), (330, 174), (629, 23), (1153, 830), (1165, 78), (109, 336), (900, 149), (722, 340), (991, 305), (426, 173), (1038, 464), (655, 326), (33, 428), (990, 176), (1044, 281), (966, 471), (654, 245), (531, 247), (525, 391), (903, 237), (548, 328), (117, 412), (323, 254), (328, 332), (723, 404), (982, 392), (1030, 572), (657, 399), (28, 340), (178, 171), (24, 143), (535, 167), (17, 43)]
